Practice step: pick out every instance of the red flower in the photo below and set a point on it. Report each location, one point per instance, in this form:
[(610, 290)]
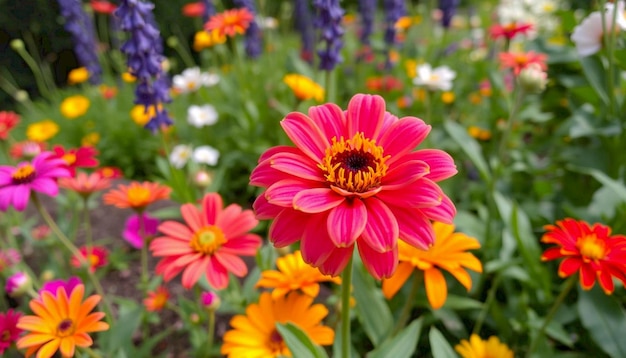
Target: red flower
[(194, 9), (103, 7), (8, 120), (230, 22), (383, 84), (9, 332), (110, 172), (95, 257), (83, 157), (592, 251), (509, 31), (520, 60)]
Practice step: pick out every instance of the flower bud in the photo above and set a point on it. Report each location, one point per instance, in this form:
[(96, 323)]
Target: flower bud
[(533, 79), (18, 284), (210, 300), (21, 96), (17, 44), (202, 179)]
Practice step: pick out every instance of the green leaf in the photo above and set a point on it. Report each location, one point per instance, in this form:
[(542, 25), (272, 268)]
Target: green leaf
[(439, 346), (596, 75), (299, 343), (457, 303), (120, 335), (402, 345), (371, 307), (616, 186), (469, 146), (604, 319)]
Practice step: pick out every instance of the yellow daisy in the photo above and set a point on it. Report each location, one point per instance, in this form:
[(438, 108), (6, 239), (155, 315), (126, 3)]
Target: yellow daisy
[(42, 131), (477, 348)]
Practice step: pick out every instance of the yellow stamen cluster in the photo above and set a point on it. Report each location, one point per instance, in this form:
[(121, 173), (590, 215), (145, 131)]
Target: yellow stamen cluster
[(207, 240), (69, 158), (23, 174), (138, 196), (591, 247), (355, 165)]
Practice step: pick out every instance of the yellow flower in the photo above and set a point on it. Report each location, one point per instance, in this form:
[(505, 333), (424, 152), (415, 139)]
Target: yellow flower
[(74, 106), (303, 87), (411, 68), (477, 348), (128, 77), (447, 253), (204, 39), (479, 133), (255, 335), (447, 97), (42, 131), (403, 23), (140, 116), (78, 75), (90, 140), (294, 274)]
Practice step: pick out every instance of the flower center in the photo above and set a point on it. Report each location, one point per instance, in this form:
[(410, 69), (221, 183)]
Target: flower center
[(207, 240), (65, 328), (355, 165), (591, 247), (138, 196), (69, 158), (521, 59), (94, 260), (5, 336), (276, 342), (23, 174)]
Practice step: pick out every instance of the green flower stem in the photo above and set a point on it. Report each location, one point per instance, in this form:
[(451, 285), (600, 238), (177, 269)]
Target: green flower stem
[(70, 246), (88, 229), (34, 67), (517, 103), (179, 188), (144, 253), (488, 302), (408, 304), (346, 288), (567, 287), (90, 352), (211, 332)]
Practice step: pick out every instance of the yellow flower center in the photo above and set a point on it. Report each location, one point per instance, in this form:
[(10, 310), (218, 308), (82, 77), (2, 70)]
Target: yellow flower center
[(93, 260), (65, 328), (207, 240), (276, 342), (160, 299), (521, 59), (69, 158), (23, 174), (138, 196), (355, 165), (591, 247)]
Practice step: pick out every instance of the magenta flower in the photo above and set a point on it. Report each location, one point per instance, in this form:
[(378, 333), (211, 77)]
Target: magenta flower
[(9, 332), (39, 175), (353, 178), (68, 285), (131, 229)]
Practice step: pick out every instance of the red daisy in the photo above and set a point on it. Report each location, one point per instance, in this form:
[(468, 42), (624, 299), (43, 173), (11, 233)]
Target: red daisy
[(509, 31), (194, 9), (83, 157), (103, 7), (8, 120), (95, 257), (590, 250), (9, 332), (230, 22)]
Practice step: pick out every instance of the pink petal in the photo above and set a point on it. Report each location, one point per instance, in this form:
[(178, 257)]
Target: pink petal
[(5, 197), (235, 222), (346, 222), (245, 245), (365, 114), (388, 120), (297, 165), (216, 274), (164, 246), (264, 210), (193, 271), (378, 264), (212, 205), (192, 216), (330, 119), (441, 163), (306, 135), (21, 196), (337, 261), (316, 245), (45, 185), (283, 192), (404, 173), (422, 193), (176, 230), (444, 212), (381, 232), (166, 269), (288, 227), (232, 263), (403, 136), (264, 175), (278, 149), (415, 229), (316, 200)]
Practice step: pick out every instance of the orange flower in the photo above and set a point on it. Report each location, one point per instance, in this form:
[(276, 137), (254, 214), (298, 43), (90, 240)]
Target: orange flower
[(136, 196), (294, 274), (520, 60), (85, 184), (156, 299), (477, 348), (590, 250), (447, 253), (303, 87), (110, 172), (60, 323), (230, 22)]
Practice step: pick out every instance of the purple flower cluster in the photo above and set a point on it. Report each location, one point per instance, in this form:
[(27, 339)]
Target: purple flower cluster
[(81, 27), (304, 24), (328, 21), (254, 42), (394, 10), (209, 10), (448, 8), (144, 51), (367, 9)]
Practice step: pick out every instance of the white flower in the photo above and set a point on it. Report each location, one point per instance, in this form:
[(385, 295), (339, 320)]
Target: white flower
[(206, 155), (180, 155), (199, 116), (533, 78), (589, 34), (439, 78), (191, 79)]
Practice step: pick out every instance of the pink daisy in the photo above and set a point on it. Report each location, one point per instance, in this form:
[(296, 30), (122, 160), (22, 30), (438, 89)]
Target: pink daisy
[(210, 243), (9, 332), (39, 175), (353, 178), (83, 157), (132, 231)]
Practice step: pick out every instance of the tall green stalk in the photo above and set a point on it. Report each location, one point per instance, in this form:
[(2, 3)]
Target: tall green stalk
[(346, 288), (408, 304)]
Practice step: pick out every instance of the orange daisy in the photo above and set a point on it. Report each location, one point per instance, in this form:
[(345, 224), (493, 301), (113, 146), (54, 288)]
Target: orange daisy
[(590, 250), (85, 184), (156, 299), (230, 22), (60, 323), (136, 195), (447, 253), (255, 335), (294, 274), (518, 61), (477, 348)]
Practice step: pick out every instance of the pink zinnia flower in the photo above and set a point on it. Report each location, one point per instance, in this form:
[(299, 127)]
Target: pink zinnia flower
[(9, 332), (211, 242), (39, 175), (85, 184), (95, 257), (132, 233), (353, 178), (517, 61), (83, 157), (68, 285)]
